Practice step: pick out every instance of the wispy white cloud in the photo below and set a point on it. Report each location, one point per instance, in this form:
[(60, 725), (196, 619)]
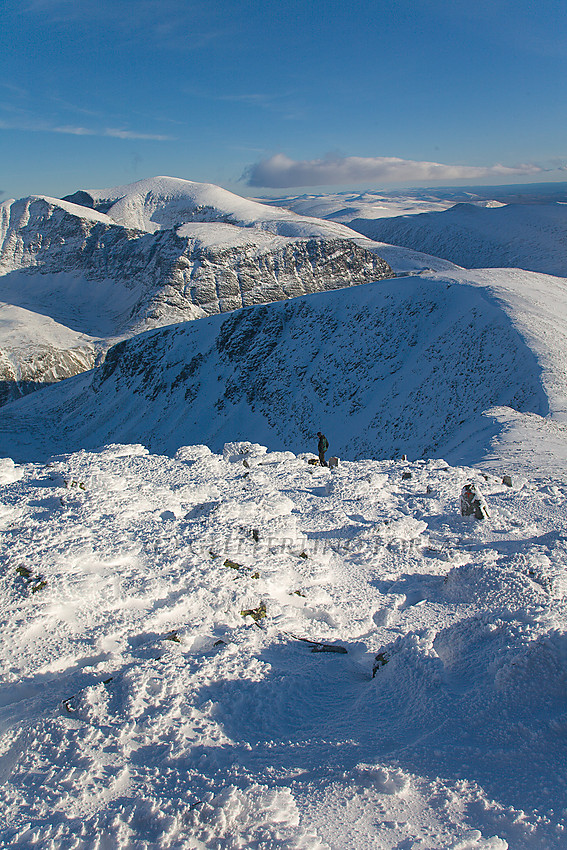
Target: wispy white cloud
[(183, 25), (254, 99), (130, 134), (284, 104), (66, 129), (65, 105), (13, 89), (38, 126), (281, 172)]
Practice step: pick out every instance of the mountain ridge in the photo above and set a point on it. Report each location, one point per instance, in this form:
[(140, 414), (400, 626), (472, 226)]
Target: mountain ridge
[(526, 236), (410, 366), (111, 279)]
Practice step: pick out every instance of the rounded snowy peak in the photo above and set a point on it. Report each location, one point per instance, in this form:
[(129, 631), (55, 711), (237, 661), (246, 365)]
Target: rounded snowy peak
[(166, 202)]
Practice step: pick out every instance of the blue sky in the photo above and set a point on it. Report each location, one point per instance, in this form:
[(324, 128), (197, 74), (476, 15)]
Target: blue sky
[(272, 97)]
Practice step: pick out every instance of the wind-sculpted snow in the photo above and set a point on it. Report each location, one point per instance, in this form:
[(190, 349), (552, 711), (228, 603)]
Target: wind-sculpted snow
[(526, 236), (187, 649), (402, 367)]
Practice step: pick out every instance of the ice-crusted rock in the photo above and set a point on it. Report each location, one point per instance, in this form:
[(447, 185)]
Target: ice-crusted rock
[(237, 452), (9, 472)]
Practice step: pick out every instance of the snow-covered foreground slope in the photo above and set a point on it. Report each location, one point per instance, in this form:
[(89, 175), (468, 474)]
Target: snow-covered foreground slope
[(409, 366), (526, 236), (143, 706)]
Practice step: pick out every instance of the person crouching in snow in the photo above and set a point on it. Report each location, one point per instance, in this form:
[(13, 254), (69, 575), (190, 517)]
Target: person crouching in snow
[(322, 447)]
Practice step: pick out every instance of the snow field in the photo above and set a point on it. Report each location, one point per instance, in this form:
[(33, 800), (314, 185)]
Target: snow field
[(143, 707), (525, 236)]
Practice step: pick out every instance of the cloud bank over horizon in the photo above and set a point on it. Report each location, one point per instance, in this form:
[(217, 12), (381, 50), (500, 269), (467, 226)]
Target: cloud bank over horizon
[(281, 172)]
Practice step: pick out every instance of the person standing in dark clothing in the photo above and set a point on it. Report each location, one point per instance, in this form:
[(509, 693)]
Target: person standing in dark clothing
[(322, 447)]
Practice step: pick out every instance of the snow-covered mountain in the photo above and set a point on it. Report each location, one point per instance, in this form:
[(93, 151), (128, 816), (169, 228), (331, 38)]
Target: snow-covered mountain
[(526, 236), (161, 203), (344, 207), (37, 351), (224, 645), (409, 366), (164, 251), (495, 227), (69, 260)]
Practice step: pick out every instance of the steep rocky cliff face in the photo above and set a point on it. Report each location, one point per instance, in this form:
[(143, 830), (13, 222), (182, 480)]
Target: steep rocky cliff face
[(23, 372), (164, 277), (36, 351), (90, 273)]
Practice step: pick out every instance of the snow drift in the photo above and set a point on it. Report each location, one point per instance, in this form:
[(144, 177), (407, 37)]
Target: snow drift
[(142, 706)]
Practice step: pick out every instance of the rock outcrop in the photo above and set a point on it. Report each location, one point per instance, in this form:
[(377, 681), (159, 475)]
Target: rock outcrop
[(172, 277), (24, 372)]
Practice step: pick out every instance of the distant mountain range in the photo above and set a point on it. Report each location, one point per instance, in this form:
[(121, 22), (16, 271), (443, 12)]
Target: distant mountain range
[(492, 227), (388, 349), (525, 236), (146, 255), (346, 206)]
